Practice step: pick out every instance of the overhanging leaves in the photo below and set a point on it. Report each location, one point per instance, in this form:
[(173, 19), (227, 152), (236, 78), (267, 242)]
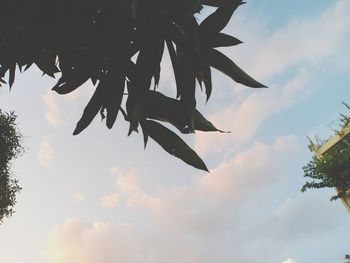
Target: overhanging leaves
[(122, 41)]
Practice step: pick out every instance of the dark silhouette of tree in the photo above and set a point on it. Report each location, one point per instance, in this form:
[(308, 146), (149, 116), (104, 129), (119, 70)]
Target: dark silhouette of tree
[(96, 40), (10, 148)]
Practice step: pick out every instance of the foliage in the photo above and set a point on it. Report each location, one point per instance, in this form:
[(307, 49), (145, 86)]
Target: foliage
[(347, 258), (333, 169), (113, 42), (10, 148)]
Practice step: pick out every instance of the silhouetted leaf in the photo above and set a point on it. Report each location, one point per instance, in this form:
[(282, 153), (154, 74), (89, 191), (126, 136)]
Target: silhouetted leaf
[(207, 80), (145, 136), (223, 40), (114, 84), (12, 74), (215, 3), (67, 85), (202, 124), (219, 19), (163, 108), (175, 64), (225, 65), (173, 144), (91, 110)]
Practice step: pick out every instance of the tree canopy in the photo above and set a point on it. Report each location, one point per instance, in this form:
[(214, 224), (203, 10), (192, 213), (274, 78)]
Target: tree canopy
[(119, 44), (10, 148)]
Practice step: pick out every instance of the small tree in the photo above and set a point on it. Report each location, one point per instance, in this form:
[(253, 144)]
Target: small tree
[(10, 148), (330, 167)]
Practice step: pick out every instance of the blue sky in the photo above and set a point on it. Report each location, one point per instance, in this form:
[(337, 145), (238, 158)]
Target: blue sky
[(99, 197)]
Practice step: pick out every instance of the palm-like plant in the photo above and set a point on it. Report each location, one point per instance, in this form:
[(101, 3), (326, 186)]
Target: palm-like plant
[(96, 39)]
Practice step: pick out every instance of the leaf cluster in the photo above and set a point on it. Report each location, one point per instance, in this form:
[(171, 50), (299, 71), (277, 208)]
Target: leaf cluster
[(10, 148), (120, 43)]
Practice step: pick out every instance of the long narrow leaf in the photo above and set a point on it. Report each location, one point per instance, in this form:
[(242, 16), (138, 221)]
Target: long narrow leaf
[(173, 144), (223, 40), (113, 95), (207, 80), (175, 65), (227, 66), (66, 85), (91, 110), (202, 124)]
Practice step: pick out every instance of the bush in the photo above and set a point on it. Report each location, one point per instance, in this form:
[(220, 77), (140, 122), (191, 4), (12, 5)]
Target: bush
[(332, 169)]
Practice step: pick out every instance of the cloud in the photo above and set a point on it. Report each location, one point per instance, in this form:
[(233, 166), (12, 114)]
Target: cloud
[(299, 43), (114, 170), (127, 182), (95, 242), (52, 114), (244, 119), (77, 197), (194, 209), (247, 171), (289, 260), (45, 154), (109, 200)]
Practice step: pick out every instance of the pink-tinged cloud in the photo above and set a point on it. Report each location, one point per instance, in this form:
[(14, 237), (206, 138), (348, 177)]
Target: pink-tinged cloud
[(110, 200), (80, 242), (52, 113), (45, 154)]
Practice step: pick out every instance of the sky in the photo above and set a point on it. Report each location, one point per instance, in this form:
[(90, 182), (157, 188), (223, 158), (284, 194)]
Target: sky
[(100, 197)]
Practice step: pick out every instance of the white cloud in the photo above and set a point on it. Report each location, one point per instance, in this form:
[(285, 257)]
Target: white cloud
[(45, 154), (245, 119), (52, 114), (301, 42), (109, 200)]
